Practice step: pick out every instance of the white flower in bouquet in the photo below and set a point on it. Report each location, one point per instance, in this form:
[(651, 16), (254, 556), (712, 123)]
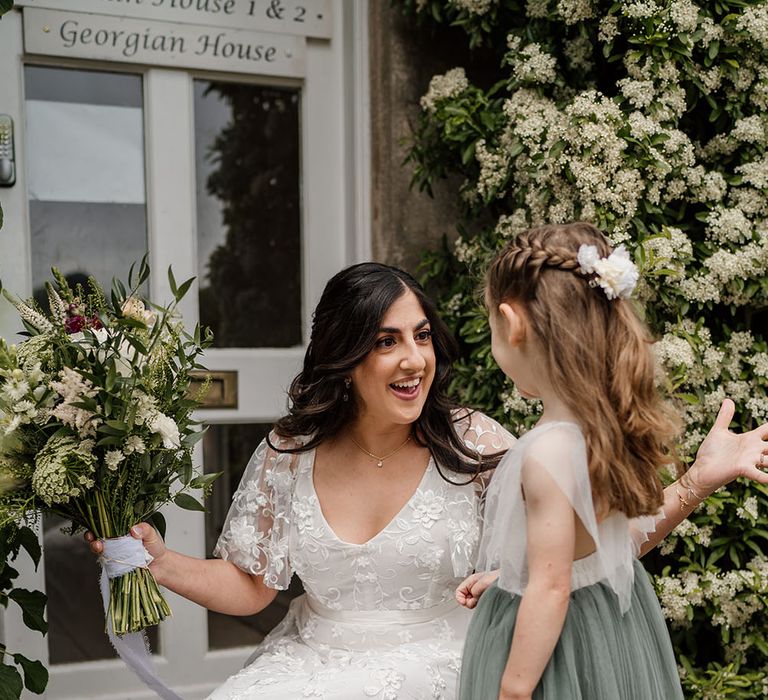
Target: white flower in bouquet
[(34, 351), (12, 424), (125, 352), (166, 428), (134, 308), (112, 459), (73, 388), (145, 406), (16, 388), (62, 470), (133, 443)]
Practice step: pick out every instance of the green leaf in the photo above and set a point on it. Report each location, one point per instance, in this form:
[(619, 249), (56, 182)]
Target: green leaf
[(35, 674), (10, 683), (172, 281), (158, 521), (193, 438), (29, 541), (184, 500), (184, 288), (5, 6), (32, 604), (200, 482)]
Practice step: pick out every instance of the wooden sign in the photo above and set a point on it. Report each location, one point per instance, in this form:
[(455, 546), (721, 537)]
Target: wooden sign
[(310, 18), (105, 38)]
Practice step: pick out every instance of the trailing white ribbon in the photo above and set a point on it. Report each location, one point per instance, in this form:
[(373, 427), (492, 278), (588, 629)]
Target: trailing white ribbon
[(121, 556)]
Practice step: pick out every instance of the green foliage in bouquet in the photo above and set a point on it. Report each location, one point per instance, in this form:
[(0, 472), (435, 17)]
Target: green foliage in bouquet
[(648, 118), (21, 672), (96, 420)]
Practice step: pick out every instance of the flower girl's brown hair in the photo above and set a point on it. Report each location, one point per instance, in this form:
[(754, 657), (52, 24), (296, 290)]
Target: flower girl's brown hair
[(599, 359)]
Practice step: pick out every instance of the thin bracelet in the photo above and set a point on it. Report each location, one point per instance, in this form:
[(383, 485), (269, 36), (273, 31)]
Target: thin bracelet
[(684, 503)]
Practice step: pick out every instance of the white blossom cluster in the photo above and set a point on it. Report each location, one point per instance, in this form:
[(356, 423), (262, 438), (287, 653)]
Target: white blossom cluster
[(701, 535), (669, 250), (475, 7), (443, 87), (530, 63), (731, 598), (573, 11)]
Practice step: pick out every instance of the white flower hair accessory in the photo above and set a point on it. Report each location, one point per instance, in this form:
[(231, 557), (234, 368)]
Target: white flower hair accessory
[(616, 274)]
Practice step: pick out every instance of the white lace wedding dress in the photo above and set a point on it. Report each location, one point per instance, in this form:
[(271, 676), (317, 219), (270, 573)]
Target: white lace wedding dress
[(379, 619)]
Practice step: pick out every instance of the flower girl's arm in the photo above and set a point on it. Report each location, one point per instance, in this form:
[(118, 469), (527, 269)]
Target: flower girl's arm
[(721, 458), (471, 588), (213, 583), (540, 618)]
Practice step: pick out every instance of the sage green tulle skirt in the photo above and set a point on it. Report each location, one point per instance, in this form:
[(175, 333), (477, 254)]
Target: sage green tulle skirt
[(601, 654)]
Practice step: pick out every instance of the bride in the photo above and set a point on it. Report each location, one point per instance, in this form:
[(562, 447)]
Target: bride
[(370, 491)]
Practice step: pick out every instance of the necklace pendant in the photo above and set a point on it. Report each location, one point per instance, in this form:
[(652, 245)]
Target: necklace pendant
[(379, 463)]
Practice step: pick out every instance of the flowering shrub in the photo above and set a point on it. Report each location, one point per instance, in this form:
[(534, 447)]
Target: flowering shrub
[(648, 118)]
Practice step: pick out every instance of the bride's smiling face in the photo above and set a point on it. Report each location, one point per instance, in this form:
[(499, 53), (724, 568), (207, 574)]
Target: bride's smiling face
[(392, 383)]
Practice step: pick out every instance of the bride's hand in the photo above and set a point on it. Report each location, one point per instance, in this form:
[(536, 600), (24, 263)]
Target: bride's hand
[(724, 456), (150, 538), (472, 587)]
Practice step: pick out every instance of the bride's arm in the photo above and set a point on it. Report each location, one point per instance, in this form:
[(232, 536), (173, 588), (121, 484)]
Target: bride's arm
[(215, 584)]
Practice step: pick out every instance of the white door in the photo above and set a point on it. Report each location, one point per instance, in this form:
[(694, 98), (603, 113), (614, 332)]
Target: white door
[(254, 184)]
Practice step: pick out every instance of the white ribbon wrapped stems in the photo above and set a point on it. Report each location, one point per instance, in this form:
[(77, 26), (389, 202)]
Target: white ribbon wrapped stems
[(121, 556)]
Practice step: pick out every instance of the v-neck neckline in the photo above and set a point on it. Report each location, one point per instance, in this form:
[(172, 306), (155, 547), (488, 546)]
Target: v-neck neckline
[(311, 456)]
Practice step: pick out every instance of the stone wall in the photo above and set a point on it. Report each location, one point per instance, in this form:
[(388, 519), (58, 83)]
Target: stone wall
[(403, 59)]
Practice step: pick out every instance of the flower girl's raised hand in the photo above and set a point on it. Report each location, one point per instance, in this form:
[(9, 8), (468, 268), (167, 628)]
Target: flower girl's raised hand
[(722, 457), (472, 587), (725, 456)]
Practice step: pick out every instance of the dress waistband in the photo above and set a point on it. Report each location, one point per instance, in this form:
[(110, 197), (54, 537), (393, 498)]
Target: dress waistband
[(385, 617)]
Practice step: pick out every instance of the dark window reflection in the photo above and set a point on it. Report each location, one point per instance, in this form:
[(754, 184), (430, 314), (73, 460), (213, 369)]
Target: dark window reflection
[(247, 146), (227, 449)]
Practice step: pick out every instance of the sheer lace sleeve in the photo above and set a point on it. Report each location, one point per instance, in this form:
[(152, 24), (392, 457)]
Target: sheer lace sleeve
[(464, 505), (558, 448), (481, 433), (255, 535)]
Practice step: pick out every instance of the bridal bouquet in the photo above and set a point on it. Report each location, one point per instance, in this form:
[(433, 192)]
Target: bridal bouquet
[(95, 420)]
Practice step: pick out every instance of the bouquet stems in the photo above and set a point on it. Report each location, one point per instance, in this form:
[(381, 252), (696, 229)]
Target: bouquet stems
[(135, 602)]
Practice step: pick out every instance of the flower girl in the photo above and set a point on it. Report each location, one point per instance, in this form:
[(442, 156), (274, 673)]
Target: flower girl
[(572, 613)]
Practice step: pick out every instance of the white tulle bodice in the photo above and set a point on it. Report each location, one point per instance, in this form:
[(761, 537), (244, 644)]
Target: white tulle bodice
[(560, 449)]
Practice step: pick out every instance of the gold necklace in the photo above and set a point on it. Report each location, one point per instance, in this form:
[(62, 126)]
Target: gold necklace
[(380, 460)]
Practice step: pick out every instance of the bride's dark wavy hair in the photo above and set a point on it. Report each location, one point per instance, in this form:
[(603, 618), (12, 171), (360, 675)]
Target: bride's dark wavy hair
[(345, 327)]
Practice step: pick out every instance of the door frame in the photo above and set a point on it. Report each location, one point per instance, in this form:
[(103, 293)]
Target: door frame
[(336, 221)]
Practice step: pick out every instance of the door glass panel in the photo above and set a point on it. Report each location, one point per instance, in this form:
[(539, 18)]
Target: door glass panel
[(85, 145), (85, 156), (226, 449), (247, 145)]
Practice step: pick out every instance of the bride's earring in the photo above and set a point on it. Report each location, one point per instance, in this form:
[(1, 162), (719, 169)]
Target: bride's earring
[(347, 384)]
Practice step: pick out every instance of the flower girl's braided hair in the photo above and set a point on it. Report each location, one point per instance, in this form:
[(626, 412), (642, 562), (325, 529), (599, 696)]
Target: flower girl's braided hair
[(599, 360)]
